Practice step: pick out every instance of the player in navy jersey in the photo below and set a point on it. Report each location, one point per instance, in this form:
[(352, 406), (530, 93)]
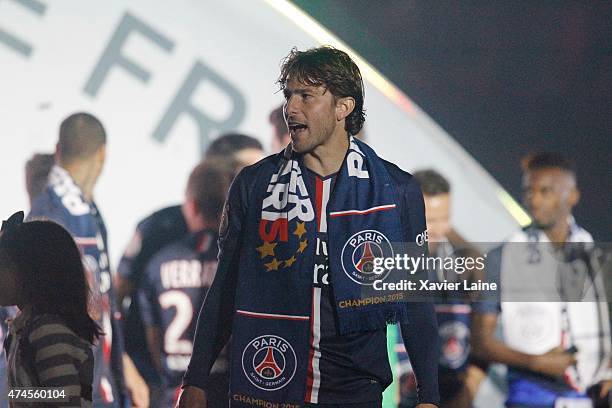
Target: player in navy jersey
[(323, 109), (178, 276), (69, 201), (458, 378), (154, 232)]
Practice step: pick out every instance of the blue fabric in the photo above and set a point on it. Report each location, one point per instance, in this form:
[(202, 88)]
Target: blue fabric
[(63, 203), (532, 393), (271, 353)]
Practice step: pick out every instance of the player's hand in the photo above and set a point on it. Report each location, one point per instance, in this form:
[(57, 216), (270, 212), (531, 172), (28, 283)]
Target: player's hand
[(136, 386), (192, 397), (554, 363), (606, 387)]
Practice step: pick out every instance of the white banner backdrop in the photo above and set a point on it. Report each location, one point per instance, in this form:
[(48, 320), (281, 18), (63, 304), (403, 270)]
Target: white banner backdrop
[(166, 77)]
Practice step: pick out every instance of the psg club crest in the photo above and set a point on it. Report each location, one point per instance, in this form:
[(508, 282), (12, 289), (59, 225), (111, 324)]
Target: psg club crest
[(269, 362), (455, 344), (358, 256)]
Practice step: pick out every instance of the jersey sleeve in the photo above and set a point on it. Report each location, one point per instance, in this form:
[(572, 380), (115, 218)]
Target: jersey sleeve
[(150, 236), (130, 261), (214, 323), (420, 332), (147, 296)]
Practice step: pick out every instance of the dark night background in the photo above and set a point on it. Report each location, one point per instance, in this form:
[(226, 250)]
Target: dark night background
[(501, 77)]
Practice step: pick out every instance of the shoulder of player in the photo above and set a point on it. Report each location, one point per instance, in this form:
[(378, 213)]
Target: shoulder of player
[(403, 181), (164, 216), (173, 251), (48, 206), (249, 176), (268, 163)]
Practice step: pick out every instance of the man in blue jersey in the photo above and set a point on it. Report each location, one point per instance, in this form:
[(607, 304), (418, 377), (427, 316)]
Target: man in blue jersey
[(556, 352), (168, 224), (459, 379), (153, 233), (299, 234), (69, 201), (177, 278)]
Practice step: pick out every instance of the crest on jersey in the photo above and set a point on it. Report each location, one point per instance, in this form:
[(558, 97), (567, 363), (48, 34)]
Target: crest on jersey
[(359, 253), (454, 337), (269, 362)]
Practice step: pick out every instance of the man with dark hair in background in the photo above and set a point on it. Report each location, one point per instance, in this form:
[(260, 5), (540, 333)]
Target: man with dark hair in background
[(68, 200), (177, 278), (556, 351), (458, 378), (291, 272), (280, 138), (158, 230), (37, 171)]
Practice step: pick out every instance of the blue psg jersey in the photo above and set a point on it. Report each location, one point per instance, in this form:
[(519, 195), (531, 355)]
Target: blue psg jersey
[(173, 288), (152, 234), (63, 203), (342, 369)]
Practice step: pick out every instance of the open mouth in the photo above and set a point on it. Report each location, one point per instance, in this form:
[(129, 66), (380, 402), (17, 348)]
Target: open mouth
[(296, 127)]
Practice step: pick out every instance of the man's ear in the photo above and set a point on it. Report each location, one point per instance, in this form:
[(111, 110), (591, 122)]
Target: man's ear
[(344, 107), (574, 197), (101, 154)]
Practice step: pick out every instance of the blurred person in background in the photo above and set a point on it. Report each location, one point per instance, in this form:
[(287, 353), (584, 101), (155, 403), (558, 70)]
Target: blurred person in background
[(575, 373), (50, 341), (280, 138), (37, 171), (458, 378), (156, 231), (177, 278), (68, 200)]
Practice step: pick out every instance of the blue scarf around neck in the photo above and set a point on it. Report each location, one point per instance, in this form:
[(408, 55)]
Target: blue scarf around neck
[(272, 325)]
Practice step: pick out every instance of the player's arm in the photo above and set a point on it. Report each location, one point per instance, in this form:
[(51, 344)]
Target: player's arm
[(121, 362), (147, 300), (420, 332), (216, 315), (129, 267), (488, 347)]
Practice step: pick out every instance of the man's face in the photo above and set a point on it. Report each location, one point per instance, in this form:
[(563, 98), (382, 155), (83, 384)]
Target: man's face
[(310, 112), (549, 195), (437, 216)]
